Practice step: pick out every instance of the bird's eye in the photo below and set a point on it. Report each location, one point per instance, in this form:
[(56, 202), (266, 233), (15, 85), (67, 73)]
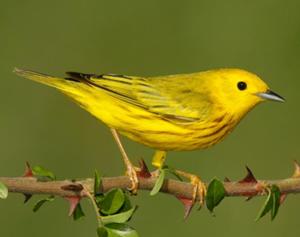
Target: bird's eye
[(242, 85)]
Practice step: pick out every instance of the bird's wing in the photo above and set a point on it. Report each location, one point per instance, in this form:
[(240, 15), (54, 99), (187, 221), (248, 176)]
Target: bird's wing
[(173, 98)]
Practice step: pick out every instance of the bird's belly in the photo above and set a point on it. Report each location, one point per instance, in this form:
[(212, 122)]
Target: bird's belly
[(166, 141), (168, 136), (154, 131)]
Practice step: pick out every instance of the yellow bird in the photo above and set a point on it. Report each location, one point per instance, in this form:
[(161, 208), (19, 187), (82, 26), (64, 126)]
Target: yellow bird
[(177, 112)]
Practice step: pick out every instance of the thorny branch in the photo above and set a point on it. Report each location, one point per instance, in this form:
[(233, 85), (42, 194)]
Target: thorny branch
[(66, 188)]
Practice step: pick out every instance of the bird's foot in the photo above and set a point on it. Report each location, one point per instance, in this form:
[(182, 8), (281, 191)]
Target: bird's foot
[(199, 187), (132, 173)]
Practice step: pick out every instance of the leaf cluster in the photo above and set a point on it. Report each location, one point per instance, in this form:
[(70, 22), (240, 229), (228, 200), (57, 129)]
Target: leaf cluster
[(114, 211)]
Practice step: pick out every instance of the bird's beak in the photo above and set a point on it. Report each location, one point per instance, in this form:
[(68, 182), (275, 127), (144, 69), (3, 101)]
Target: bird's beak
[(270, 95)]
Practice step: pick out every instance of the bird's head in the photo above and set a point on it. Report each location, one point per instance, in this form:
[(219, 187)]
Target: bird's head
[(239, 91)]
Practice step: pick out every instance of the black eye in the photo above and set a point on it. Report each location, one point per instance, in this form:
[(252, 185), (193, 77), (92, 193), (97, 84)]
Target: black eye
[(242, 85)]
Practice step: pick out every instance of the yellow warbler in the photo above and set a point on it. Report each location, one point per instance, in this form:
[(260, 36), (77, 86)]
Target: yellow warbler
[(177, 112)]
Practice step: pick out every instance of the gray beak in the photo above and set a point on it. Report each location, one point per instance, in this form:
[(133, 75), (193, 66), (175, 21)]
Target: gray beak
[(270, 95)]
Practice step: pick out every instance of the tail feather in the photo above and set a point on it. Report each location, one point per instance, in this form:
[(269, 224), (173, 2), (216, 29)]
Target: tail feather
[(57, 82)]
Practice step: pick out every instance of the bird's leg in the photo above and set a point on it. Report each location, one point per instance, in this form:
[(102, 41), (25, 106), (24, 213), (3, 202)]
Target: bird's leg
[(131, 171), (159, 158), (158, 161), (199, 186)]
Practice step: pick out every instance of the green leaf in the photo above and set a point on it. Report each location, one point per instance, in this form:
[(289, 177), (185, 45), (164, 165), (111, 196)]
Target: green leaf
[(271, 204), (159, 182), (127, 204), (112, 201), (42, 172), (102, 232), (267, 206), (276, 201), (40, 203), (120, 230), (3, 191), (118, 218), (99, 198), (78, 212), (97, 183), (215, 194)]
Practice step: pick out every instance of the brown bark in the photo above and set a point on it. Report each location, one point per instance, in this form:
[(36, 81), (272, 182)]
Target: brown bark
[(183, 189)]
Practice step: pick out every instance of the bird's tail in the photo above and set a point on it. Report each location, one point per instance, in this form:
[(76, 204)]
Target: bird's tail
[(59, 83)]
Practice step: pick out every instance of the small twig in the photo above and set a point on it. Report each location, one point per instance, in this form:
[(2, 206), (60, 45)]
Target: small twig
[(96, 209), (27, 185)]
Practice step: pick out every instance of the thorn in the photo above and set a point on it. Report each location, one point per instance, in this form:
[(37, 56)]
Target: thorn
[(72, 187), (188, 205), (283, 197), (226, 179), (144, 171), (27, 197), (28, 171), (297, 170), (73, 201), (249, 177)]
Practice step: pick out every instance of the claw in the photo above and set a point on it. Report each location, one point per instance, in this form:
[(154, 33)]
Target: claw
[(199, 189), (133, 176)]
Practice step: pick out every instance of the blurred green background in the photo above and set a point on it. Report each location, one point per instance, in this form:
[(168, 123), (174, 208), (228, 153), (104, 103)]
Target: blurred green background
[(134, 37)]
